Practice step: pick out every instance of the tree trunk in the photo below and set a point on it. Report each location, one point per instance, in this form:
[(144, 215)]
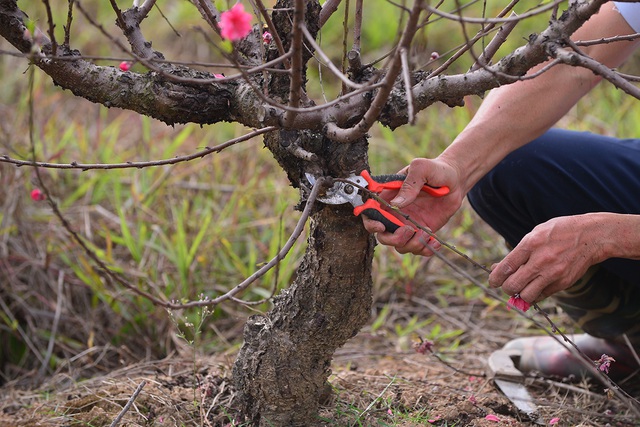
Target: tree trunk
[(282, 369)]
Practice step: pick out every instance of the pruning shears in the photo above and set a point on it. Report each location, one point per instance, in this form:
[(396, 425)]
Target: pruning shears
[(355, 190)]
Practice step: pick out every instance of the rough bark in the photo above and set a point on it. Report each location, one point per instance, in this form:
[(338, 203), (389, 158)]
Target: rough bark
[(283, 367)]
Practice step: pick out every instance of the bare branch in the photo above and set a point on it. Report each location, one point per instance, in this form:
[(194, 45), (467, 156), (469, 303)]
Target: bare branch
[(272, 29), (129, 22), (297, 64), (406, 77), (470, 20), (137, 165), (360, 129), (67, 27), (573, 58), (327, 61), (357, 27), (52, 36), (127, 406), (477, 37), (146, 7), (328, 9), (495, 43)]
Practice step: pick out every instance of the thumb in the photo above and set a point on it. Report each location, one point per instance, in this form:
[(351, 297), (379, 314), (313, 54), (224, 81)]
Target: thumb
[(410, 189)]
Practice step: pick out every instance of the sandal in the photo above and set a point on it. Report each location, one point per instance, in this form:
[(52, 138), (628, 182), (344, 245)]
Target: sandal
[(548, 358)]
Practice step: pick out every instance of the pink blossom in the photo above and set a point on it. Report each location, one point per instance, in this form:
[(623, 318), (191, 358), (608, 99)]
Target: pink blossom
[(125, 66), (37, 195), (492, 417), (267, 37), (434, 419), (235, 23), (517, 302), (553, 421), (218, 76), (434, 56), (604, 363), (424, 347), (473, 400)]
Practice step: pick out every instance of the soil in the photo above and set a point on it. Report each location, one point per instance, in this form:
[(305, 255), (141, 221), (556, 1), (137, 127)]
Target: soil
[(376, 380)]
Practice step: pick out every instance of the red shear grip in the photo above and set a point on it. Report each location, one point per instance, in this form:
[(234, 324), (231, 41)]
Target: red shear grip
[(394, 182), (371, 208)]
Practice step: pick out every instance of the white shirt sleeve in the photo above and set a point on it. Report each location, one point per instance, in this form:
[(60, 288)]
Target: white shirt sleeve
[(631, 13)]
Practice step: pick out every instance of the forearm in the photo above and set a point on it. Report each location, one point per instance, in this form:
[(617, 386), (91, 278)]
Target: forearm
[(618, 236), (514, 115)]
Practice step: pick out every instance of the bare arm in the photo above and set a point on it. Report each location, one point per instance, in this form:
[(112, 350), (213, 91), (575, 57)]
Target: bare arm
[(513, 115), (510, 117)]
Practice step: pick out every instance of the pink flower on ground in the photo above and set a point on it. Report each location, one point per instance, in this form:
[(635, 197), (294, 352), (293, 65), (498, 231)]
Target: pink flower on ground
[(37, 195), (604, 363), (235, 23), (424, 347), (553, 421), (492, 417), (434, 419), (125, 66), (517, 302)]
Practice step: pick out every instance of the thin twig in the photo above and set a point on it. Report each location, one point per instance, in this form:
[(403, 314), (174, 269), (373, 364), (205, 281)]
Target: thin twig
[(576, 59), (133, 397), (297, 65), (460, 18), (406, 77), (272, 29), (495, 43), (54, 44), (373, 112), (328, 8), (137, 165), (373, 402), (327, 61), (54, 326)]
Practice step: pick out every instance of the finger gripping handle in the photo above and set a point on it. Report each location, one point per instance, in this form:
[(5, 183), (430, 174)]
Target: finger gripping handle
[(378, 183), (371, 208), (376, 215)]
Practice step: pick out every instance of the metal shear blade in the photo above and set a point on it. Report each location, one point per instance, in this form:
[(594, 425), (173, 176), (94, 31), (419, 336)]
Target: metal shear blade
[(342, 192)]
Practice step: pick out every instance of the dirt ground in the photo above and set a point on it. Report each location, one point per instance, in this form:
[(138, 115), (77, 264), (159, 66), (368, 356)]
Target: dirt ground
[(377, 381)]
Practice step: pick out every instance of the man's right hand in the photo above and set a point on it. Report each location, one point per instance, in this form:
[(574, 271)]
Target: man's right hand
[(428, 211)]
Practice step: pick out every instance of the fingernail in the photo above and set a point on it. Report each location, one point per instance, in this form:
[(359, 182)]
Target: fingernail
[(434, 244), (398, 201)]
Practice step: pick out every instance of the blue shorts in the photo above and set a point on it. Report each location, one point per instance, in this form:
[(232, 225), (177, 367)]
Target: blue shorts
[(566, 173)]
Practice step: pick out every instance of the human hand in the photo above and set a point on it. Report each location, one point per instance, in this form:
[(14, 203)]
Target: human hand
[(551, 258), (426, 210)]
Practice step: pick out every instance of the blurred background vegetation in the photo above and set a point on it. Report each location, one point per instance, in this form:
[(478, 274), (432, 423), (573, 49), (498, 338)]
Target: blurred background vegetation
[(198, 228)]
